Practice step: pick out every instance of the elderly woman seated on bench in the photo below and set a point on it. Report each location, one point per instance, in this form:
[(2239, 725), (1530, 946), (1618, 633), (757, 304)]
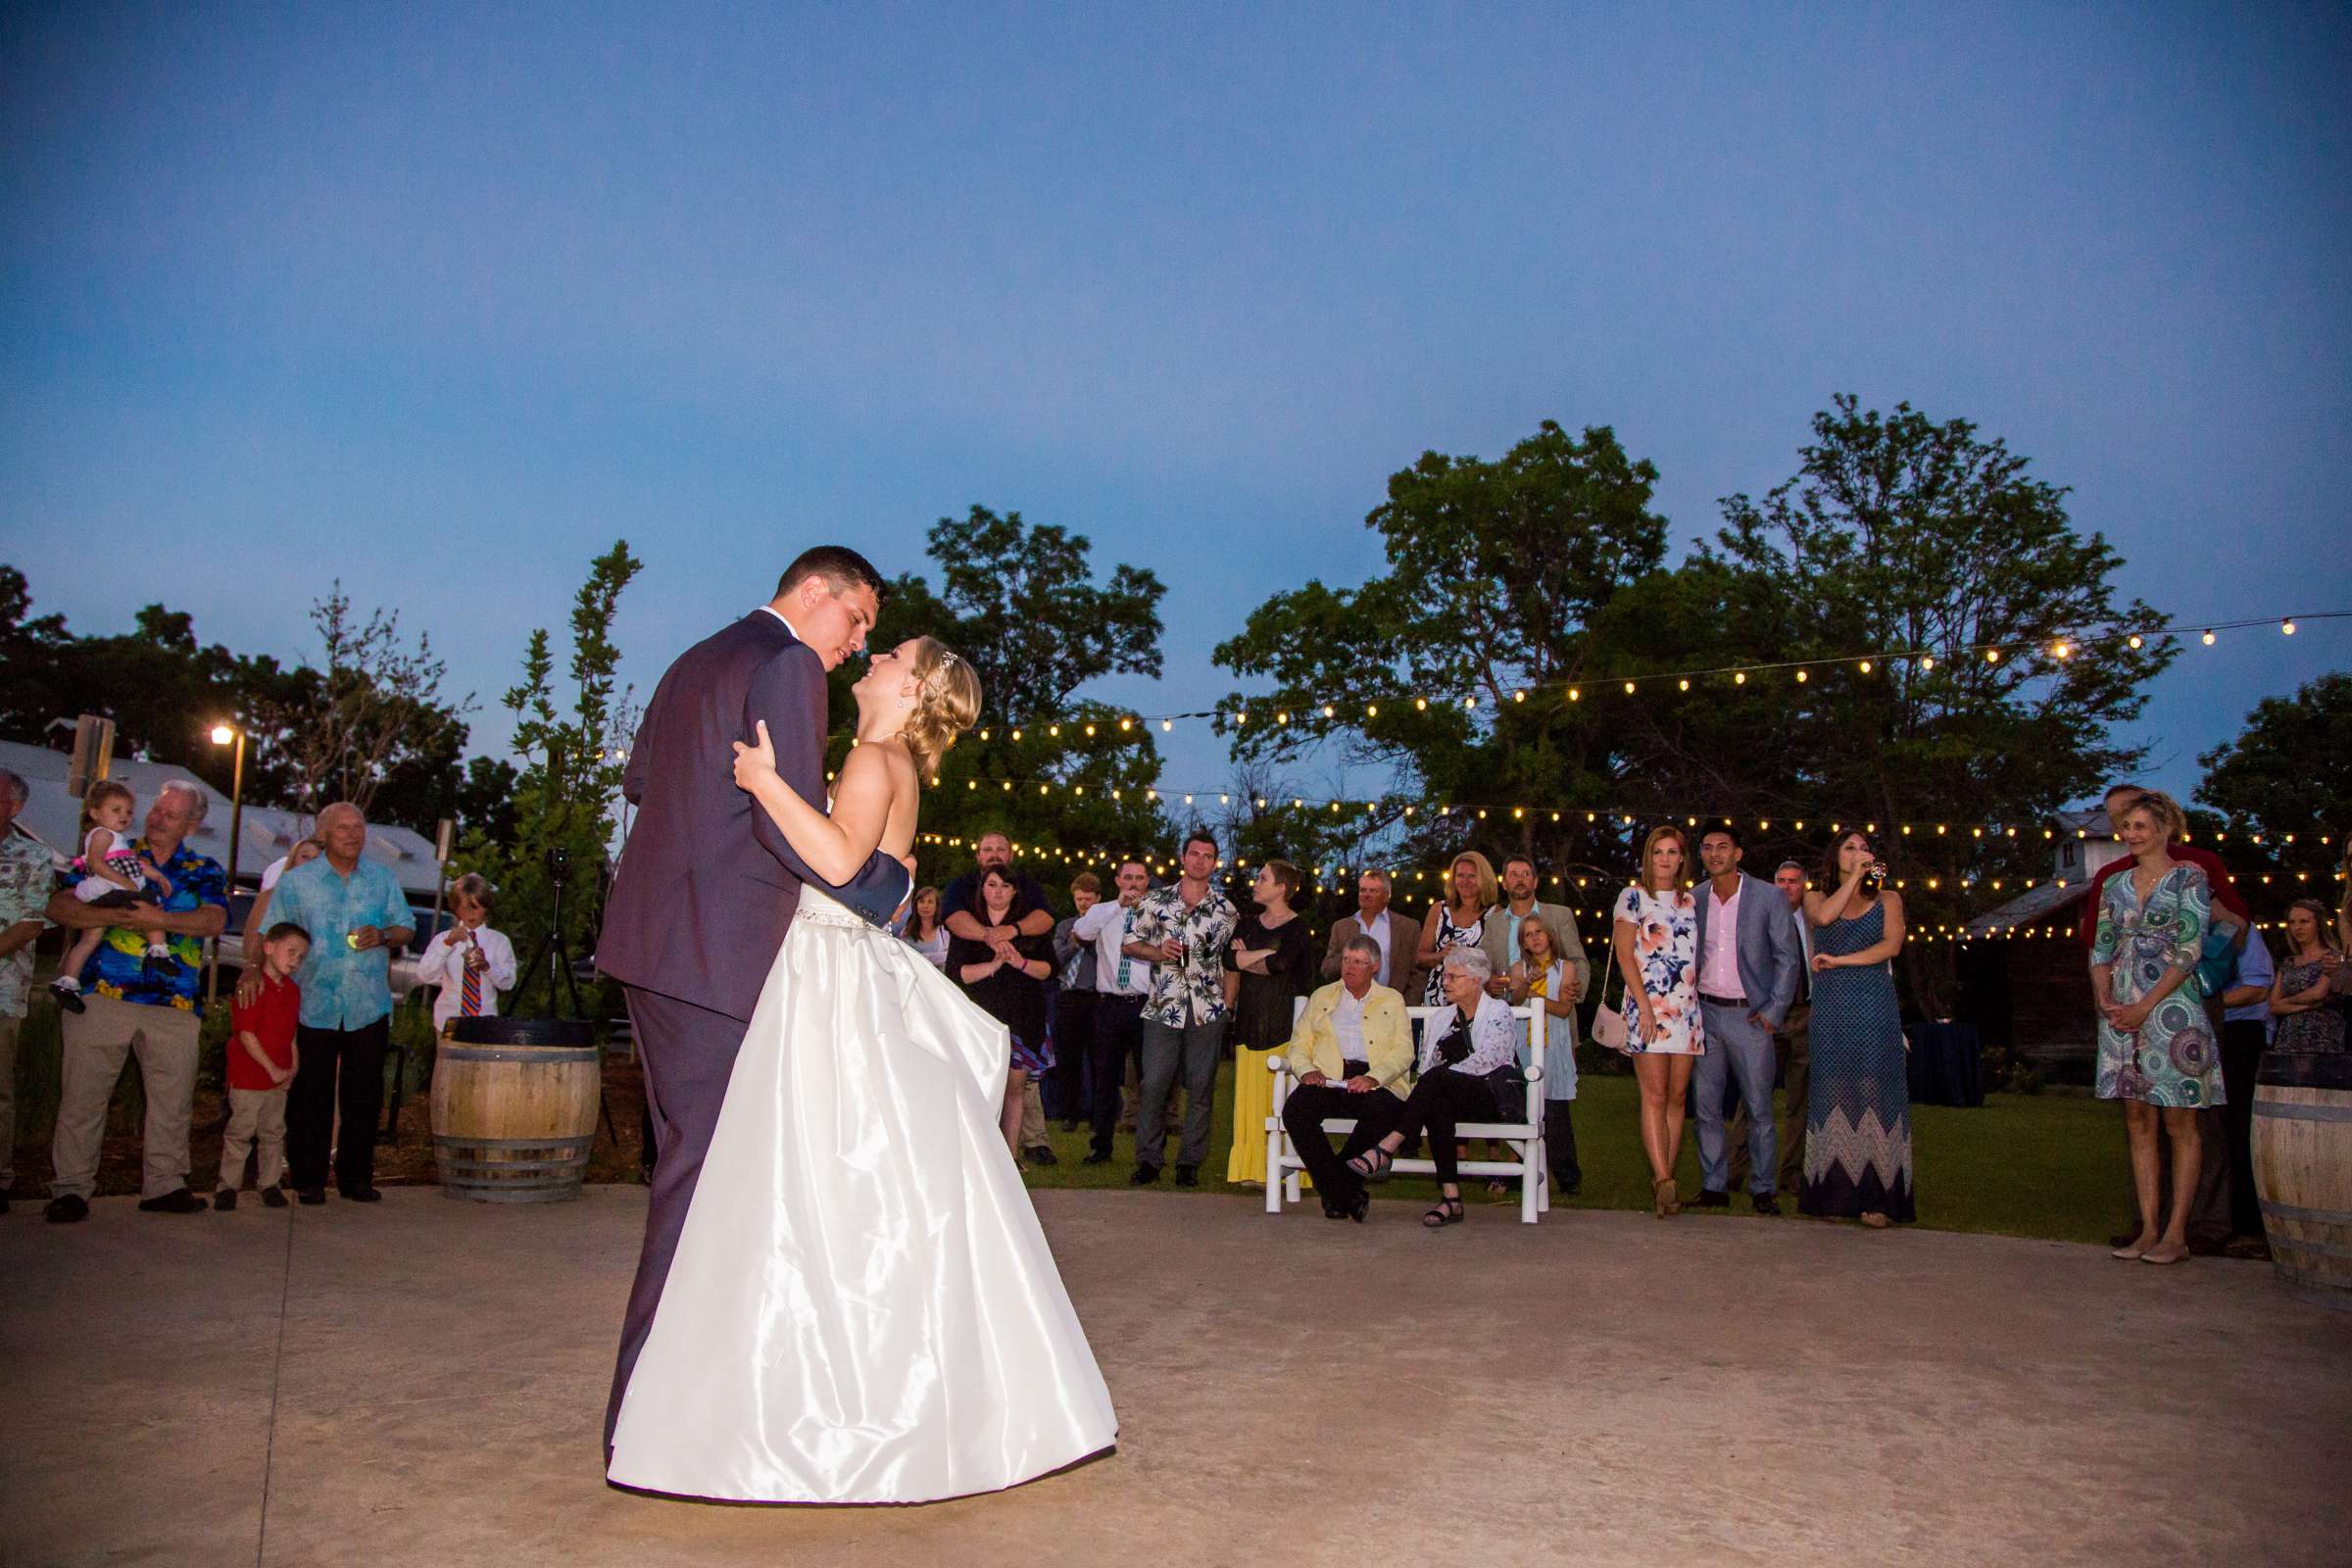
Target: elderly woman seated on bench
[(1459, 1049), (1353, 1046)]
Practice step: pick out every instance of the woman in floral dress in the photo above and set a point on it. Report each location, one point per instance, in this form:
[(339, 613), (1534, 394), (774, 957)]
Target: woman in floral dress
[(2310, 1017), (2156, 1049), (1470, 891), (1657, 946)]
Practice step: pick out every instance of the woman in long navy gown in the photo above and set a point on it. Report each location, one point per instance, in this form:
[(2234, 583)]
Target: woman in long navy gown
[(1858, 1121)]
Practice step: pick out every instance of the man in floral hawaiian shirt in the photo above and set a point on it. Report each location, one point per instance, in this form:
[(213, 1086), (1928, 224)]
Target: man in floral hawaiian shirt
[(25, 878), (139, 1005), (1183, 931)]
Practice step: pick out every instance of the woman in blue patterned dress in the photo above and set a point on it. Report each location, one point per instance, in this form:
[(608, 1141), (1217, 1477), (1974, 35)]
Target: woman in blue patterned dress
[(1657, 946), (2156, 1049), (1858, 1111)]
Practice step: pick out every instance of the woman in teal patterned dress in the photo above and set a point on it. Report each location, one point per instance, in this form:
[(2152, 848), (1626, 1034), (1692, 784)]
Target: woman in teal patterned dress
[(1858, 1115), (2156, 1050)]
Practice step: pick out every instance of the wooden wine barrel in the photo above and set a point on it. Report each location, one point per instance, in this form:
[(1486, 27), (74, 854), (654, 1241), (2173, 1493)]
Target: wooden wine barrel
[(514, 1104), (2303, 1170)]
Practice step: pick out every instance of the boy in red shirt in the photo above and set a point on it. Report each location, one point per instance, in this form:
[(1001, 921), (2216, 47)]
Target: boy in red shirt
[(260, 1063)]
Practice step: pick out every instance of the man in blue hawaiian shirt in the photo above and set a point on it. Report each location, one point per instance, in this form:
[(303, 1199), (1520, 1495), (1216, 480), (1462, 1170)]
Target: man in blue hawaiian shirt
[(356, 914), (25, 879), (138, 1004)]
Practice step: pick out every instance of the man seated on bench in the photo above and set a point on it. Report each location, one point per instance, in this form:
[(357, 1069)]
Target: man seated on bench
[(1353, 1040), (1461, 1048)]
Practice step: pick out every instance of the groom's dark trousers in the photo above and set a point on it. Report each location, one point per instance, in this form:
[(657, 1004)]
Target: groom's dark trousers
[(701, 902)]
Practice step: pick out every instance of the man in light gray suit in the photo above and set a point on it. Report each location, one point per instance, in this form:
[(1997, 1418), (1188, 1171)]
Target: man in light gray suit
[(1749, 959)]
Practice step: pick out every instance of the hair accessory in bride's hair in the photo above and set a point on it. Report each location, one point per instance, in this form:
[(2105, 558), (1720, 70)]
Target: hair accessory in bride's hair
[(947, 656)]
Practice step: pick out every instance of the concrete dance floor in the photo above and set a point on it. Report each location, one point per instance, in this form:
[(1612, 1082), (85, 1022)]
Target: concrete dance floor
[(1604, 1388)]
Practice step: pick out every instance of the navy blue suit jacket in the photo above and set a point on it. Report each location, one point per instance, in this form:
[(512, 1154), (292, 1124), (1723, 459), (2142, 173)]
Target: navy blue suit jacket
[(708, 886)]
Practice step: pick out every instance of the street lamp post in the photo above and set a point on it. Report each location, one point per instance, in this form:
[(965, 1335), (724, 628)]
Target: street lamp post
[(223, 735)]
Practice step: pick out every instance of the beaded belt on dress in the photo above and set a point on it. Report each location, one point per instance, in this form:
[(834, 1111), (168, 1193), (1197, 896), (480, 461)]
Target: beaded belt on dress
[(820, 909)]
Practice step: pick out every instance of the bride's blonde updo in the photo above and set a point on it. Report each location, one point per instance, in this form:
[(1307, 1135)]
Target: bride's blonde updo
[(946, 703)]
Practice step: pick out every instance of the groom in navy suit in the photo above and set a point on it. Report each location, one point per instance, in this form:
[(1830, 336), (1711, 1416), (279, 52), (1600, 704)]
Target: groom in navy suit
[(707, 885)]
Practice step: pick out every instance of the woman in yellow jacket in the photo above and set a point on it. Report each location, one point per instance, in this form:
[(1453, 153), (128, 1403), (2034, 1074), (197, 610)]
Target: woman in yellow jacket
[(1354, 1039)]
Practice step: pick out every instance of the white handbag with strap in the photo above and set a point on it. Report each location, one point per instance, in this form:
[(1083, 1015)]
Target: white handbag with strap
[(1608, 1024)]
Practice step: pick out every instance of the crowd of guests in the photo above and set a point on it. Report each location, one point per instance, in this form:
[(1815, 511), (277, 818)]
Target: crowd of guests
[(1132, 1001), (1718, 986), (309, 1021), (2188, 999)]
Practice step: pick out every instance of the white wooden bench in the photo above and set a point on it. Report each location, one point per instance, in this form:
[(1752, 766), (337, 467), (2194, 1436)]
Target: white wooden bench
[(1526, 1136)]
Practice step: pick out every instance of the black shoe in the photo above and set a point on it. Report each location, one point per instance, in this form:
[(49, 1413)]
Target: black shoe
[(1143, 1176), (66, 1211), (1766, 1202), (68, 998), (1188, 1175), (1354, 1208), (274, 1197), (1041, 1155), (358, 1195), (1571, 1188), (179, 1200), (312, 1197), (224, 1199), (1710, 1199), (1098, 1156), (1071, 1126)]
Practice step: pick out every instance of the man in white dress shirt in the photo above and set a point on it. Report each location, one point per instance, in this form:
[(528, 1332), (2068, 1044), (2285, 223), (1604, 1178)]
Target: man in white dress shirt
[(1791, 1043), (1121, 983)]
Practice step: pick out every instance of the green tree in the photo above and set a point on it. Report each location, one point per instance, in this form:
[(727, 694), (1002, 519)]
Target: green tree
[(1448, 672), (573, 752), (2286, 781), (2014, 657), (1022, 603)]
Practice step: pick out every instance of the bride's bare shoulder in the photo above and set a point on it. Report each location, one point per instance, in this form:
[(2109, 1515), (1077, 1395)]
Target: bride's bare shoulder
[(881, 764)]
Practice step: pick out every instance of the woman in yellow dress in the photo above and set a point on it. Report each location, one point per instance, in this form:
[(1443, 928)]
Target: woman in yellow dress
[(1270, 965)]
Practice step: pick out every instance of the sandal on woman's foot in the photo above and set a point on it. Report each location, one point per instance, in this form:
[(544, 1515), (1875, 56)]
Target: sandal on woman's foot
[(1373, 1163), (1448, 1212), (2131, 1251), (1664, 1195), (2165, 1257), (1876, 1220)]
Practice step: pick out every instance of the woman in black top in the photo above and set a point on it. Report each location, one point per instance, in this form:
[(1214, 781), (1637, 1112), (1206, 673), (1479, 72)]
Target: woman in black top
[(1270, 965), (1011, 989)]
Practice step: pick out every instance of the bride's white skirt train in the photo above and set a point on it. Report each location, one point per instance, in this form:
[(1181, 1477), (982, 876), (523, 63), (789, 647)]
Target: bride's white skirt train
[(862, 1307)]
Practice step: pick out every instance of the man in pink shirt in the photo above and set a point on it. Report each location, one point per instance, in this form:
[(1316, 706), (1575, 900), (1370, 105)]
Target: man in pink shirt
[(1748, 958)]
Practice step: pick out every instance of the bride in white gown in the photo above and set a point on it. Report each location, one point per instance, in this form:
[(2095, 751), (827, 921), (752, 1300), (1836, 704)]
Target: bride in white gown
[(862, 1307)]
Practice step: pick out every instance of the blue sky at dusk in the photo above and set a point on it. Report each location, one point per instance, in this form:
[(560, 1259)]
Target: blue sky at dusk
[(443, 300)]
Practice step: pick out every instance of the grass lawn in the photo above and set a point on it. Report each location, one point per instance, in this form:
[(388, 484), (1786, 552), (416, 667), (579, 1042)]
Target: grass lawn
[(2042, 1165)]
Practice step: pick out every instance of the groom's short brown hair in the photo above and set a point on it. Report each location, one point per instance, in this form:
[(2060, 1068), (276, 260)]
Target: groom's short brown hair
[(842, 567)]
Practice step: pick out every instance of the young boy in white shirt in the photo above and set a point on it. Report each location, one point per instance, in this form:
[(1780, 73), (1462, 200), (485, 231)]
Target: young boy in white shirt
[(471, 962)]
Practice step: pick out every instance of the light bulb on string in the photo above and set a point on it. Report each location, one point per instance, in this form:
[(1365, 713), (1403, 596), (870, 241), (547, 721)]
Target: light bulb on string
[(2287, 627), (2209, 639)]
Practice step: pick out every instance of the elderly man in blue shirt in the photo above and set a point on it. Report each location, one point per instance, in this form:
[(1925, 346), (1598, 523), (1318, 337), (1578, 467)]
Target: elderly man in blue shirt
[(356, 914)]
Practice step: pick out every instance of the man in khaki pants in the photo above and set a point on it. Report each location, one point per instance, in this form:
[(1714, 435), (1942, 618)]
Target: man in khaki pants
[(25, 883), (144, 1006)]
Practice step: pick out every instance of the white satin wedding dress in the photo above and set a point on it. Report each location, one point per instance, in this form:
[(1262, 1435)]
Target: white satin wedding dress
[(862, 1307)]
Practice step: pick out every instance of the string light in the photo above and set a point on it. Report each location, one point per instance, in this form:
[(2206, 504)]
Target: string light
[(1801, 670)]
